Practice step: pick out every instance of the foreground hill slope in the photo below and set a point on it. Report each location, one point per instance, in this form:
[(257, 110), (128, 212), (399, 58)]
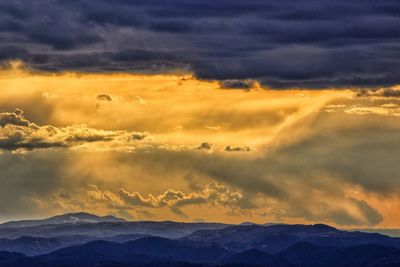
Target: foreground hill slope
[(148, 252)]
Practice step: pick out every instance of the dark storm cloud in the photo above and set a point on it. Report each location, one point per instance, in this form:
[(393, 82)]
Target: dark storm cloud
[(383, 92), (304, 43), (239, 84)]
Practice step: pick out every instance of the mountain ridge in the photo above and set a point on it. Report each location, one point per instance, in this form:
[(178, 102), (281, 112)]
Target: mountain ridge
[(77, 217)]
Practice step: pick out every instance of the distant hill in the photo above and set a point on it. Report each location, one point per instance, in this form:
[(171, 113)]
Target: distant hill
[(276, 238), (80, 217), (105, 230), (33, 246), (388, 232)]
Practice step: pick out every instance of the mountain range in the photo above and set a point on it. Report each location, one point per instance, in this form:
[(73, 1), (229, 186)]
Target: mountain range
[(88, 240)]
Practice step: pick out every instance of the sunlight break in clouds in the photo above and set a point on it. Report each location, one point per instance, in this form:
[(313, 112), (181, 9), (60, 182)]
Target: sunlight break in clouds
[(176, 147)]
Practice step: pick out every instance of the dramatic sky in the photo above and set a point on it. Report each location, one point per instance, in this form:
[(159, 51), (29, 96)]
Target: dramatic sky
[(200, 110)]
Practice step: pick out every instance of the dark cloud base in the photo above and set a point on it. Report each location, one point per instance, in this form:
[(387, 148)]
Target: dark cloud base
[(306, 43)]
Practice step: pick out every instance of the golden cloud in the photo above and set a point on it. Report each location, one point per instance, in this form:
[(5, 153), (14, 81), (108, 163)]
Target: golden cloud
[(291, 156)]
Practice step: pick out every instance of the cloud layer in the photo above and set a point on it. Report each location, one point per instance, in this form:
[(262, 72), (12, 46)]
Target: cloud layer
[(212, 194), (172, 147), (306, 43), (16, 132)]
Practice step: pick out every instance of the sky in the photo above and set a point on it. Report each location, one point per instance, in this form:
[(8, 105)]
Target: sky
[(222, 111)]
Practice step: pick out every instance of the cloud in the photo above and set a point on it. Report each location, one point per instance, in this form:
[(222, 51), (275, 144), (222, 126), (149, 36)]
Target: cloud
[(239, 84), (104, 97), (205, 146), (317, 178), (279, 44), (138, 136), (307, 180), (16, 132), (25, 177), (383, 92), (371, 215), (212, 194), (15, 118), (140, 100), (237, 149), (306, 166), (381, 110), (135, 199)]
